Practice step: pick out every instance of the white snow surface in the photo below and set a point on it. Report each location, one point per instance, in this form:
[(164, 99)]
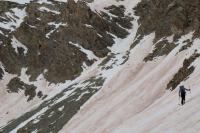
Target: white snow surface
[(16, 44), (38, 1), (56, 25), (45, 9), (19, 1), (16, 17), (61, 0), (90, 55), (28, 1)]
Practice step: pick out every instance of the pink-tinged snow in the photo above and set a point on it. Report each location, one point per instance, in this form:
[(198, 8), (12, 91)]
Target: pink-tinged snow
[(12, 104), (135, 99)]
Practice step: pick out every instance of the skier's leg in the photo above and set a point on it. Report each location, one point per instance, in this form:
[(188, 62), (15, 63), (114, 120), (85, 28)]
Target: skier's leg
[(183, 99), (182, 102)]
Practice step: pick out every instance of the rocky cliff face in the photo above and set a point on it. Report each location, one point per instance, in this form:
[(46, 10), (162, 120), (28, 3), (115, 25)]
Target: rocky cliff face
[(52, 35), (168, 17)]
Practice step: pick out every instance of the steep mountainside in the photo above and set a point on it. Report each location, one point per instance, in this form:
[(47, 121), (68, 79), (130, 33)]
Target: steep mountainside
[(85, 66)]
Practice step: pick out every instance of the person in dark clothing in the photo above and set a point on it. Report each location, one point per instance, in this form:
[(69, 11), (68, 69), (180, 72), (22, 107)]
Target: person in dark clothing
[(182, 94)]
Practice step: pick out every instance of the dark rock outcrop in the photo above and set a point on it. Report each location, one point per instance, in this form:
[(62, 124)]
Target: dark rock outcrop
[(183, 72), (168, 17), (161, 48), (15, 85), (1, 73)]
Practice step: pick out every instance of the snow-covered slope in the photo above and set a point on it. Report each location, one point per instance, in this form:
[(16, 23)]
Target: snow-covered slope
[(135, 98), (116, 70)]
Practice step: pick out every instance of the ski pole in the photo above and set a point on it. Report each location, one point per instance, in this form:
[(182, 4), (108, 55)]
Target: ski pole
[(190, 92)]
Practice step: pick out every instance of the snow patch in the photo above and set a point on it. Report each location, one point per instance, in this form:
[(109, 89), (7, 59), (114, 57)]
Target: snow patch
[(19, 1), (16, 17), (56, 27), (61, 108), (90, 54), (16, 44), (61, 0), (44, 9), (44, 1)]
